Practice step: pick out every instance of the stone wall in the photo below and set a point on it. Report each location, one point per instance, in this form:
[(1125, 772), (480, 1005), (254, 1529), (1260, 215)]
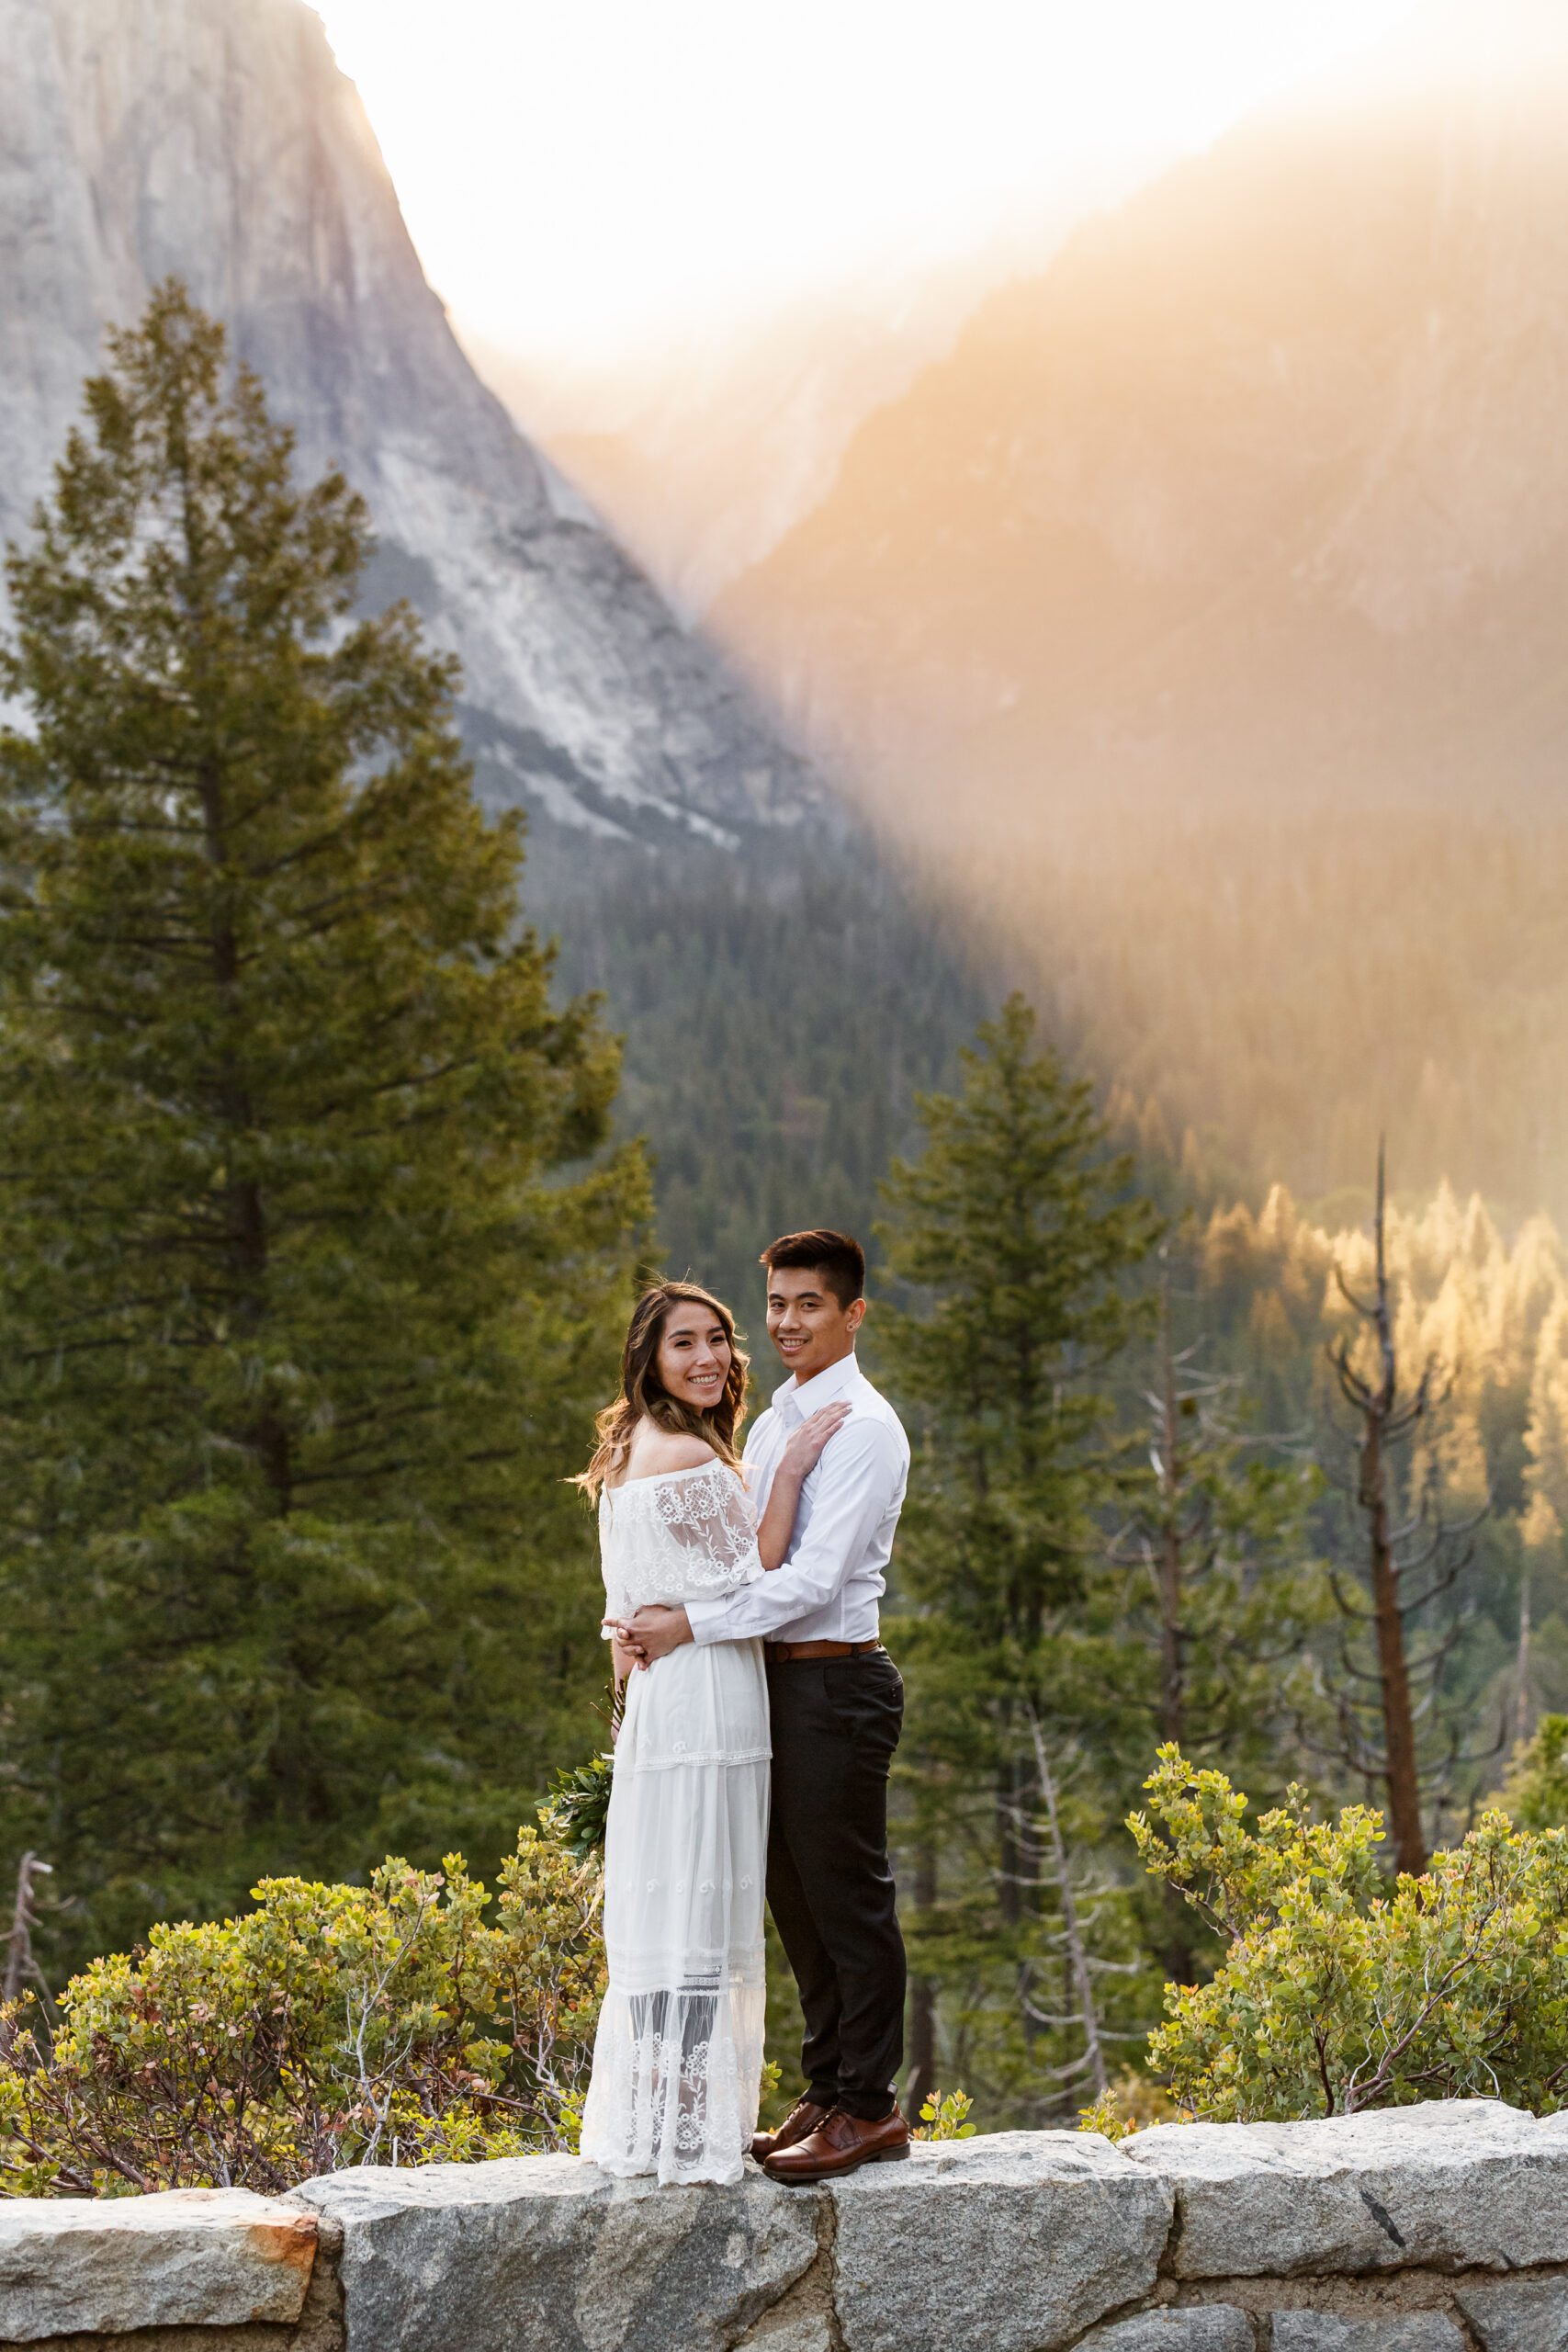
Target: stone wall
[(1431, 2230)]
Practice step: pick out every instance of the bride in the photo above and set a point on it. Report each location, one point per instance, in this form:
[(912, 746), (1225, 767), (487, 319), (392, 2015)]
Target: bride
[(679, 2051)]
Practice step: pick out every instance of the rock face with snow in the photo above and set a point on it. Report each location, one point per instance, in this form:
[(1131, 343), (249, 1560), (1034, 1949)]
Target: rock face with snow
[(216, 140), (1436, 2229)]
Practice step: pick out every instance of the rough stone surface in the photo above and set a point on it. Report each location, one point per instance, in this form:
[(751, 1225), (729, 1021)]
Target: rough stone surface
[(1065, 2221), (805, 2320), (1516, 2314), (1461, 2183), (1212, 2327), (1246, 2239), (543, 2254), (186, 2257), (260, 2338), (1322, 2331)]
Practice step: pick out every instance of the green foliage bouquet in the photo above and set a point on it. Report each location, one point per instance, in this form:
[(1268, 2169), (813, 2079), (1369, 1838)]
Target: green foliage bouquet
[(577, 1814), (1342, 1991), (330, 2026)]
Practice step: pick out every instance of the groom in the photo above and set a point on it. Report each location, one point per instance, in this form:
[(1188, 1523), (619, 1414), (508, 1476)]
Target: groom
[(836, 1704)]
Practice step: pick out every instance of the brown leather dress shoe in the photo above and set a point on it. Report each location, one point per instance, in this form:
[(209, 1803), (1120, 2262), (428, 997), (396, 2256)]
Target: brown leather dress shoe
[(803, 2118), (841, 2144)]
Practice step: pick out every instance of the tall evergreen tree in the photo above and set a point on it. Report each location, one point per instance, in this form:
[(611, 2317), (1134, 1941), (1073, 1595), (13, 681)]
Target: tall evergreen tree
[(307, 1272), (1013, 1235)]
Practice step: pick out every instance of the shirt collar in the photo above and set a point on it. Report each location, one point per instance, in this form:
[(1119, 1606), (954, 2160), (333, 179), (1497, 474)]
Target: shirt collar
[(796, 1401)]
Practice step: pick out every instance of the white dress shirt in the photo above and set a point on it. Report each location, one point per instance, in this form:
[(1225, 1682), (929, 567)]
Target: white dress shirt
[(834, 1574)]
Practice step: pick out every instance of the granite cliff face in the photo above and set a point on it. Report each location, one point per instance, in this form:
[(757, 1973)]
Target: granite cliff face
[(216, 140), (780, 994)]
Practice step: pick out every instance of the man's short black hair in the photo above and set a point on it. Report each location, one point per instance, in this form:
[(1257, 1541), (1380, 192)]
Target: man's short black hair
[(837, 1257)]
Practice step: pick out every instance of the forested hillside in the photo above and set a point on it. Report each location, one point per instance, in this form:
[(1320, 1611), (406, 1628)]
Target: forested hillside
[(780, 1009), (1137, 1514)]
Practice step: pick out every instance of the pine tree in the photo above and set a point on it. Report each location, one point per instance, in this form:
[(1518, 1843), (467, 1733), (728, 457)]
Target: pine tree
[(1013, 1235), (307, 1272), (1202, 1617)]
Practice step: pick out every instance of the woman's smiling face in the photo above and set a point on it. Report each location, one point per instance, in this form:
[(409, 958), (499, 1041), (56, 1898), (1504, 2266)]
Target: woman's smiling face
[(694, 1355)]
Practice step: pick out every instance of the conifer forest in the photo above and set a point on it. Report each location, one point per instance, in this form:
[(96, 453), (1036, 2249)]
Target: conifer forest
[(331, 1163)]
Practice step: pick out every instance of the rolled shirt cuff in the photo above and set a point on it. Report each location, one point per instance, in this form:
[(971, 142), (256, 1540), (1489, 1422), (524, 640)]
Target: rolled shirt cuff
[(705, 1618)]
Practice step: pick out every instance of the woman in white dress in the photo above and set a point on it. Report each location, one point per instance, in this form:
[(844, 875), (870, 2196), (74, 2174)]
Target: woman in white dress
[(678, 2053)]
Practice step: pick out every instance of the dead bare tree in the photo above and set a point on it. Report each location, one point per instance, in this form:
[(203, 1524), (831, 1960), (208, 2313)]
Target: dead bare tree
[(21, 1968), (1218, 1583), (1072, 1928), (1421, 1548)]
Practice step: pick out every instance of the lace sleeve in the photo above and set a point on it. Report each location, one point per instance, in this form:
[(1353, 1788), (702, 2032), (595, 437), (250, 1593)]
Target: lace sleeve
[(687, 1537), (706, 1524)]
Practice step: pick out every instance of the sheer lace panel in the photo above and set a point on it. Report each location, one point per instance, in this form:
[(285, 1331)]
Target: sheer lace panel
[(690, 1535)]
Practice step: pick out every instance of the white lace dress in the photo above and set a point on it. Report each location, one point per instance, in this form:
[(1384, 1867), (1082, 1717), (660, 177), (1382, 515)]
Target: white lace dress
[(678, 2053)]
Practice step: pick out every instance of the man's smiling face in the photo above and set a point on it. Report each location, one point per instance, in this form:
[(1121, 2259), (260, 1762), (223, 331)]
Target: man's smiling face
[(807, 1323)]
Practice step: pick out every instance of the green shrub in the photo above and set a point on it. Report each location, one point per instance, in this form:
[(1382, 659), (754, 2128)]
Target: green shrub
[(1341, 1990), (945, 2119), (1535, 1795), (330, 2026), (1131, 2103)]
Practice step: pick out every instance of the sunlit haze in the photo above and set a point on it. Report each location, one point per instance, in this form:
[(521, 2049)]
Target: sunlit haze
[(577, 172)]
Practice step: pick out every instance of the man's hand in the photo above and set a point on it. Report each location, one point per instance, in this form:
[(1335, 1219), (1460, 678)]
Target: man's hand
[(654, 1632)]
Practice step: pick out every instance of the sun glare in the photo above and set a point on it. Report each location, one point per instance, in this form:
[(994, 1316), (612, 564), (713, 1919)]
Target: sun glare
[(578, 171)]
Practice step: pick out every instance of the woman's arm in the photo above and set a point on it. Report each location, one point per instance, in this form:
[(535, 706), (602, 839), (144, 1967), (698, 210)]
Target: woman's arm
[(799, 1458)]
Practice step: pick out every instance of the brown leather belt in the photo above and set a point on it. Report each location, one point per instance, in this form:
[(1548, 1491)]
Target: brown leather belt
[(785, 1652)]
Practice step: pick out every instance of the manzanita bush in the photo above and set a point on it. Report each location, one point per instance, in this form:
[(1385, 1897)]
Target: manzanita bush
[(330, 2026), (1342, 1989)]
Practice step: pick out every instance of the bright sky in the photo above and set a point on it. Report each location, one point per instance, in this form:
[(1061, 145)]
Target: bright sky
[(576, 173)]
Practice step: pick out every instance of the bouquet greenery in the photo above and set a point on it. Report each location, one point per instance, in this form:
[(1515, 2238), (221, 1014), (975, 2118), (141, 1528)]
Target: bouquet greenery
[(577, 1808), (576, 1814)]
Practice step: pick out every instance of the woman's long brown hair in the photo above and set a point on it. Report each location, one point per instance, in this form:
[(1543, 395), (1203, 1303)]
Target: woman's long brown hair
[(643, 1394)]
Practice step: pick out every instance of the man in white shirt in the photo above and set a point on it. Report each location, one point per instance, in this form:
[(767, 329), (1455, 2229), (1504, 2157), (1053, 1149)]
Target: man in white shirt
[(837, 1707)]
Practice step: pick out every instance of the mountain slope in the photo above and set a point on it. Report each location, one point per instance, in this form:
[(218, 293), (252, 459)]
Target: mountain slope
[(704, 449), (694, 866), (1245, 474), (1205, 607), (216, 140)]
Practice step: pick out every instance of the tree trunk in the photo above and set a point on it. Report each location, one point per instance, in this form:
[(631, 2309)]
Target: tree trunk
[(1009, 1895), (1399, 1725), (920, 2079), (266, 1436), (1522, 1670), (1178, 1943), (20, 1966), (1077, 1957), (1172, 1670)]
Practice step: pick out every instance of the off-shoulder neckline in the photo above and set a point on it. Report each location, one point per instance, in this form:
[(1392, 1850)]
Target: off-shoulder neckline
[(657, 1477)]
